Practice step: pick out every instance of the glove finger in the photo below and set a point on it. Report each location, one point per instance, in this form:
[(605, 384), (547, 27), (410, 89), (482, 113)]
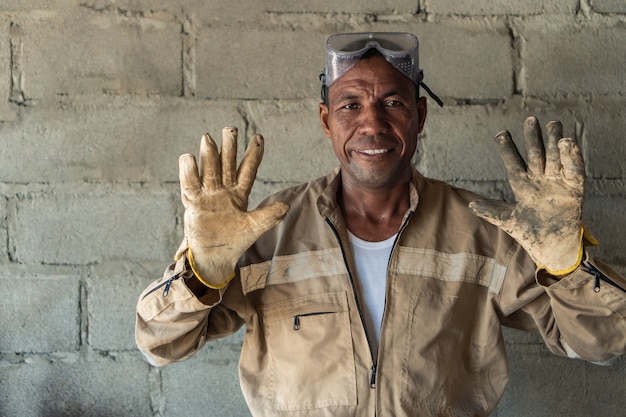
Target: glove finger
[(263, 219), (210, 163), (535, 151), (553, 157), (572, 160), (229, 155), (250, 164), (495, 212), (189, 178), (513, 161)]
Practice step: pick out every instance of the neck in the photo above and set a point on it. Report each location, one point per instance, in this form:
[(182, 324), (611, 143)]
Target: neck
[(374, 214)]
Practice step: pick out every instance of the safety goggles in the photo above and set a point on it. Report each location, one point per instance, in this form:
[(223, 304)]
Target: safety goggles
[(344, 50)]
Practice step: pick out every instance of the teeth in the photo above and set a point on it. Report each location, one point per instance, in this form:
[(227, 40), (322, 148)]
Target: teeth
[(373, 151)]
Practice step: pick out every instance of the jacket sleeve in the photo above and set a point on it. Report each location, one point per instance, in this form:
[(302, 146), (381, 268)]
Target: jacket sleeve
[(581, 315), (589, 307), (172, 323)]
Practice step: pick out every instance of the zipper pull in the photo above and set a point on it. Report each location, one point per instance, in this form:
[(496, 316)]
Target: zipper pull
[(596, 275), (168, 284), (599, 276), (296, 322), (166, 290), (373, 377)]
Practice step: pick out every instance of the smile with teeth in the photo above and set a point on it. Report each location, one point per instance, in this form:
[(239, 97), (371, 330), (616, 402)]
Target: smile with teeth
[(373, 151)]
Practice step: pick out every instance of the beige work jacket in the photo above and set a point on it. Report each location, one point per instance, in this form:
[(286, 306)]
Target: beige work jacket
[(453, 280)]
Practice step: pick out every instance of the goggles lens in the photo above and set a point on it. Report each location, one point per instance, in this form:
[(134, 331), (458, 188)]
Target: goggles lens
[(359, 43), (344, 50)]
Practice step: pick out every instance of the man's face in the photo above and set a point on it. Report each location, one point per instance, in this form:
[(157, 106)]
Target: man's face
[(373, 120)]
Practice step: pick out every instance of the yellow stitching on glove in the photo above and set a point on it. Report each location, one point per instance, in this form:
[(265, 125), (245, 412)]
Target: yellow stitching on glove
[(192, 263), (571, 269)]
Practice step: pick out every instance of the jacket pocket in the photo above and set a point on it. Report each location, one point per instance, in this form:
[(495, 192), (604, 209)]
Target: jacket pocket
[(310, 352)]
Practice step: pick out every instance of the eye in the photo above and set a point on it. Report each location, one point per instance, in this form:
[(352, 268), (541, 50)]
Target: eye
[(350, 106), (392, 103)]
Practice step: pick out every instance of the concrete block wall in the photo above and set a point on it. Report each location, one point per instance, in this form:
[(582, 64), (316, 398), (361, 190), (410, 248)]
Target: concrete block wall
[(98, 98)]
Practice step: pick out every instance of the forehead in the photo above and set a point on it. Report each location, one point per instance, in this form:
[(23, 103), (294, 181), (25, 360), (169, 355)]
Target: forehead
[(372, 73)]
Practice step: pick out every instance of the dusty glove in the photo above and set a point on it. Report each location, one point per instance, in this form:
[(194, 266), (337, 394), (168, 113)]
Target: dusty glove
[(218, 228), (546, 220)]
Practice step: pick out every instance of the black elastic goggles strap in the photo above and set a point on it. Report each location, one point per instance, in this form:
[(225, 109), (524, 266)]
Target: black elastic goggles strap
[(324, 90), (431, 94)]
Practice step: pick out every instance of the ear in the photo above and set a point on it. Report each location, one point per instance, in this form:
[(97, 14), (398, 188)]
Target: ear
[(421, 113), (324, 118)]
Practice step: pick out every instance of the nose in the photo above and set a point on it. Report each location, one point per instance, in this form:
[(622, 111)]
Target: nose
[(373, 121)]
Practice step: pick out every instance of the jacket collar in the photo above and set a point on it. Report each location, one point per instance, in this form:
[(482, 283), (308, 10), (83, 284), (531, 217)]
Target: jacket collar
[(327, 200)]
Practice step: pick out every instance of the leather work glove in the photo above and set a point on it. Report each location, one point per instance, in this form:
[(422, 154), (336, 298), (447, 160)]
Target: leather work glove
[(218, 228), (546, 220)]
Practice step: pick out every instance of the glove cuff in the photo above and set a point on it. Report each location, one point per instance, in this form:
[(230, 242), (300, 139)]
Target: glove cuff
[(579, 258), (194, 268)]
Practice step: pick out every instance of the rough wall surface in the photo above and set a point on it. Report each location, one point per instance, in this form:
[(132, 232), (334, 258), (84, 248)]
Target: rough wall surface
[(98, 98)]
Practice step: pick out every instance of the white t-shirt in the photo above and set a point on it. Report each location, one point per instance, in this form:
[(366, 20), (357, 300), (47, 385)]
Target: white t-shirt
[(371, 259)]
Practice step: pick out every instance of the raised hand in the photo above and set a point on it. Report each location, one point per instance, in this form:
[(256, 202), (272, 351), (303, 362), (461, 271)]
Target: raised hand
[(546, 218), (218, 228)]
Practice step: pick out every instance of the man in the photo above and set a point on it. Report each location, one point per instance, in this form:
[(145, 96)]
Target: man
[(375, 291)]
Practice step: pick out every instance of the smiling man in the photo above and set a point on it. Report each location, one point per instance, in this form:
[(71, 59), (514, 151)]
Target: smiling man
[(373, 120), (375, 291)]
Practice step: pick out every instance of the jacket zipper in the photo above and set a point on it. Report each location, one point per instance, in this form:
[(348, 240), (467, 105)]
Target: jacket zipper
[(393, 248), (598, 276), (167, 284), (356, 300)]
